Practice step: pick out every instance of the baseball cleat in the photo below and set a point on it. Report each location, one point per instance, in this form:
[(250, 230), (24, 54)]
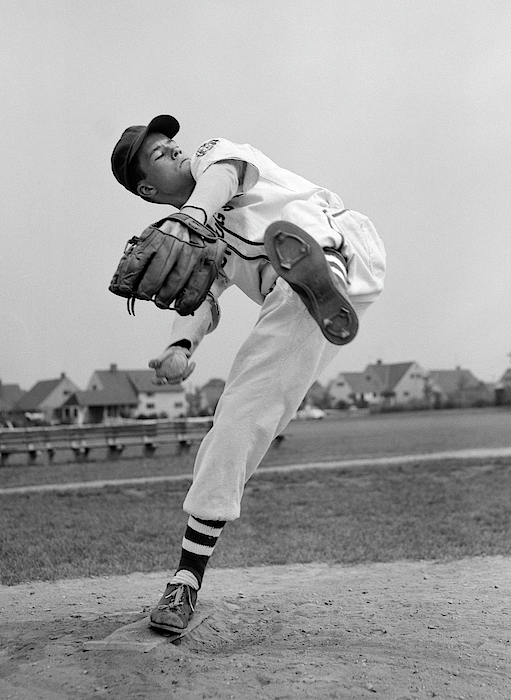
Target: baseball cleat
[(301, 261), (174, 609)]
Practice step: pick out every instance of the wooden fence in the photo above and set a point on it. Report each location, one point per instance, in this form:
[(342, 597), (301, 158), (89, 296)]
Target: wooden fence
[(44, 443)]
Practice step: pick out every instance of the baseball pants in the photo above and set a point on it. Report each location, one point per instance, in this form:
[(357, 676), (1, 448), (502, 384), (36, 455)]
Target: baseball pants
[(273, 370)]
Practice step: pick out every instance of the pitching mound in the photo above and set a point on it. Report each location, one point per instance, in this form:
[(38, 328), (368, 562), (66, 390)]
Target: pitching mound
[(396, 631)]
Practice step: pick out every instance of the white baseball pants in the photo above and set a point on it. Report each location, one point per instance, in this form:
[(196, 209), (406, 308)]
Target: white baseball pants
[(273, 370)]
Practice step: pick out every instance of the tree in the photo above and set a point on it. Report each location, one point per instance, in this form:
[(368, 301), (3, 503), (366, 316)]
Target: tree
[(194, 400)]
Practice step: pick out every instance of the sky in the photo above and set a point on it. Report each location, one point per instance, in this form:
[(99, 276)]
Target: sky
[(402, 107)]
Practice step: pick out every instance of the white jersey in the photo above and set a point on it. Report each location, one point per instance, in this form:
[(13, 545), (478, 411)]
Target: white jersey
[(268, 193)]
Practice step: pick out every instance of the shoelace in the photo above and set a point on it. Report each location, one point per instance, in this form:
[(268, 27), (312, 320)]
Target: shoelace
[(175, 598)]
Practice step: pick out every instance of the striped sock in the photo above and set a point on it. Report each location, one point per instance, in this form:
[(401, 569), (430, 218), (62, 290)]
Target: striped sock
[(337, 266), (198, 544)]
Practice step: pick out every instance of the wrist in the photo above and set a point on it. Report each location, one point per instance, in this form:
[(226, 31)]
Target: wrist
[(184, 345)]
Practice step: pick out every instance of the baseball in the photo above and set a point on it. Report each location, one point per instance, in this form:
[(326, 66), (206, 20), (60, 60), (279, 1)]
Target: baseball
[(174, 366)]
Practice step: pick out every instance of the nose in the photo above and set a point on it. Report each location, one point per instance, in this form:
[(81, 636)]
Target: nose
[(176, 152)]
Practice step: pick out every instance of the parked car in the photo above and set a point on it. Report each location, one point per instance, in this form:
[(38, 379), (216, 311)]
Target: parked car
[(310, 413)]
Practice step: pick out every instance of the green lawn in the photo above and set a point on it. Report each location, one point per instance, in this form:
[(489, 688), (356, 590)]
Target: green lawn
[(332, 439), (448, 509)]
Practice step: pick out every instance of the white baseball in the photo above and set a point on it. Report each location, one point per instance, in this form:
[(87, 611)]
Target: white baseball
[(174, 366)]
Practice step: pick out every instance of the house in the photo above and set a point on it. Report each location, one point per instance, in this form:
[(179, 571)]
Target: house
[(398, 384), (99, 406), (503, 389), (352, 388), (157, 400), (116, 394), (458, 388), (44, 401), (10, 394)]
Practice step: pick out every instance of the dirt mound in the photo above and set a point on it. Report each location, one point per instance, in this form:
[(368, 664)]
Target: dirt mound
[(397, 631)]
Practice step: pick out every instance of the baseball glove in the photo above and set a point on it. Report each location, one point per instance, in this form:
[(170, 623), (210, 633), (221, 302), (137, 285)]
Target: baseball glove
[(177, 267)]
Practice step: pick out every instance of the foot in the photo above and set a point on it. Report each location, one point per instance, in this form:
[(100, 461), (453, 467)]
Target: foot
[(301, 261), (175, 608)]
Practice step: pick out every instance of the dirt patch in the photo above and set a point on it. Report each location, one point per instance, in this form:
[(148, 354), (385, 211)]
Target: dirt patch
[(397, 631)]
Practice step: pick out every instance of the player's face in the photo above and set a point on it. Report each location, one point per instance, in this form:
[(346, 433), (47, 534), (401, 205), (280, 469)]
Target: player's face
[(167, 169)]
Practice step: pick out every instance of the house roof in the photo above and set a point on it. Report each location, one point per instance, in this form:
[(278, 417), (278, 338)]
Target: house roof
[(388, 376), (99, 397), (121, 387), (358, 382), (452, 380), (9, 395), (142, 380), (506, 377), (32, 399), (116, 384)]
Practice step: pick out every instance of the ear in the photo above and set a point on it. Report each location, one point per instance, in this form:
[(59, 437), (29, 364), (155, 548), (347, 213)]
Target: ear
[(146, 191)]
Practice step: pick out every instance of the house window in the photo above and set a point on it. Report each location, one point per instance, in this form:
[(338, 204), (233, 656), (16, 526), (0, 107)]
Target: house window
[(340, 383), (406, 393), (149, 405), (150, 393), (178, 404)]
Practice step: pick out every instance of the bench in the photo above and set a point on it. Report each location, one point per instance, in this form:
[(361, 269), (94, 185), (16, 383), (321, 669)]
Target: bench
[(115, 438), (27, 441), (183, 433)]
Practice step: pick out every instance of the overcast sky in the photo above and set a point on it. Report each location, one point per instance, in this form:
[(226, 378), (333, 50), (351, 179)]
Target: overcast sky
[(402, 107)]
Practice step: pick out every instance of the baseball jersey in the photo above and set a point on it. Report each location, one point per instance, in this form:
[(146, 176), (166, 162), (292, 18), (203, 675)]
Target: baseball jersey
[(268, 193)]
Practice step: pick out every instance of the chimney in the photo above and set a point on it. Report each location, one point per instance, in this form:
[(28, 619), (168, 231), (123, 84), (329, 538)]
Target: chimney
[(113, 367)]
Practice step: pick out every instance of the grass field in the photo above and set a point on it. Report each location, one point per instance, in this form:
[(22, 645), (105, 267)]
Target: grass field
[(331, 439), (423, 510)]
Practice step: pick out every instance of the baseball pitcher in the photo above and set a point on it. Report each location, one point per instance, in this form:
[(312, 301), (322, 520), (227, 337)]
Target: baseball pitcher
[(312, 265)]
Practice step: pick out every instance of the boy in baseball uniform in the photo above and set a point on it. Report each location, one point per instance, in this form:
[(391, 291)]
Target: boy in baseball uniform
[(313, 267)]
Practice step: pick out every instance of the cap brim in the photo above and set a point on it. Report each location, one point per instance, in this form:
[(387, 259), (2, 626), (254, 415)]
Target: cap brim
[(164, 124)]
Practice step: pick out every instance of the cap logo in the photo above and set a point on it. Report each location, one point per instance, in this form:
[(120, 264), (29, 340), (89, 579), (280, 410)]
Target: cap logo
[(206, 147)]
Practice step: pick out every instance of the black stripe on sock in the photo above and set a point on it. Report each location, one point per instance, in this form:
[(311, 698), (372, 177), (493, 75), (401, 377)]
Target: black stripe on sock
[(199, 538), (211, 523), (195, 563)]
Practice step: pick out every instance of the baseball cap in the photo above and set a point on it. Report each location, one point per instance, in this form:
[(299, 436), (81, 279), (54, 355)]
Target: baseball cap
[(131, 140)]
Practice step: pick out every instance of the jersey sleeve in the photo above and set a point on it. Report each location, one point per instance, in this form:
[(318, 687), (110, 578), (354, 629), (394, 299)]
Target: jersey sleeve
[(243, 156), (190, 330)]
